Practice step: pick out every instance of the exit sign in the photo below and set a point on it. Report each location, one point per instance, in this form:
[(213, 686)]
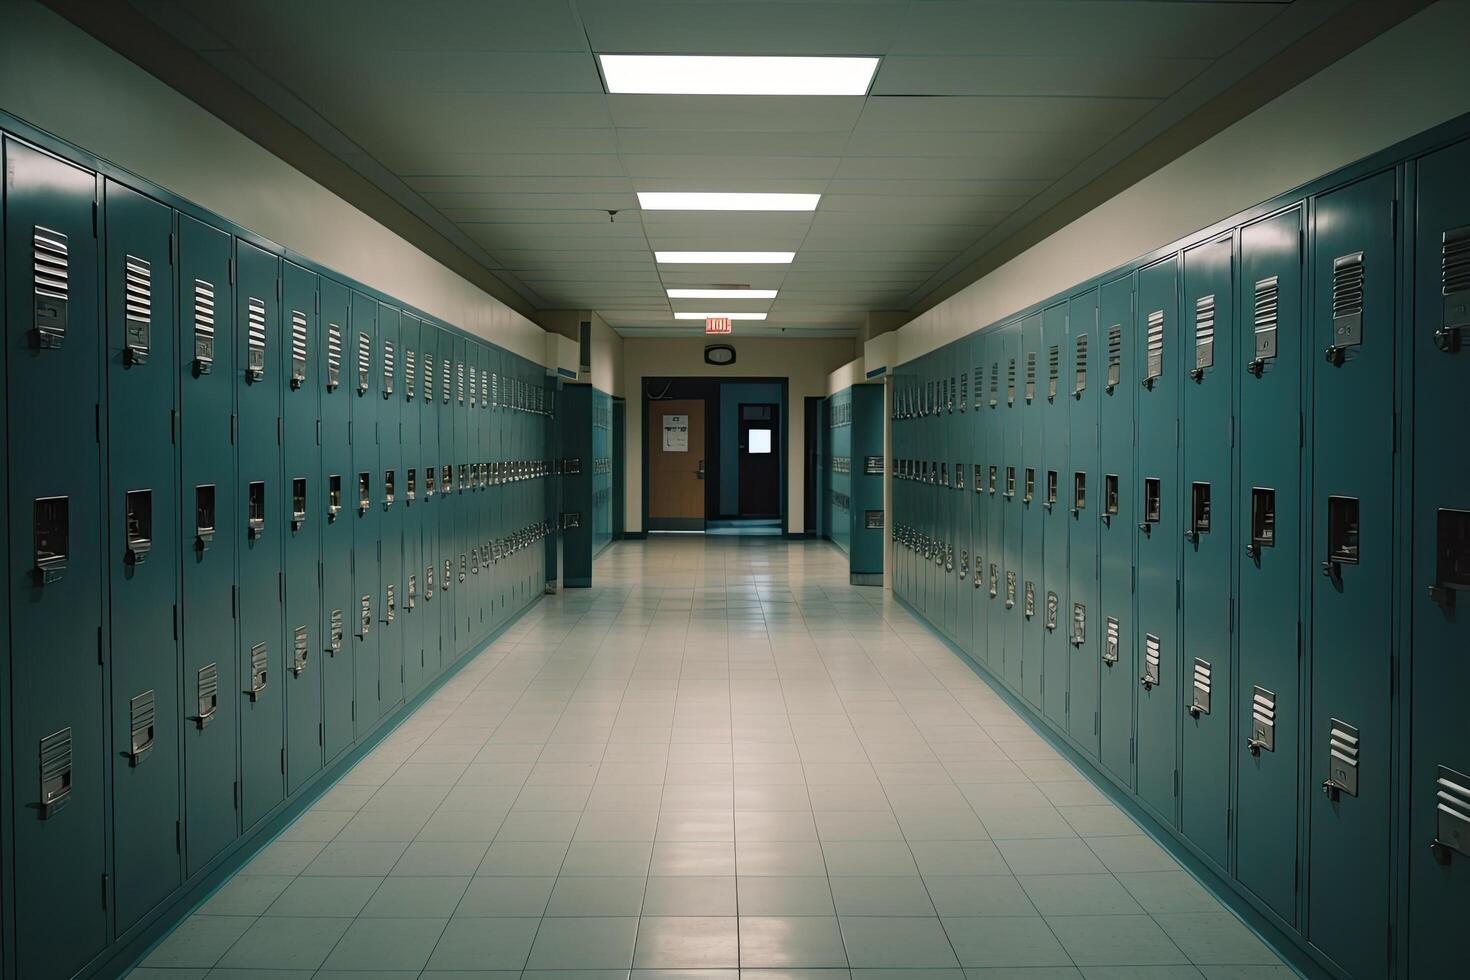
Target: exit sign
[(716, 324)]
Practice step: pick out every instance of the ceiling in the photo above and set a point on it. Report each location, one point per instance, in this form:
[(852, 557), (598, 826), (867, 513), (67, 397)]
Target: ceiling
[(488, 119)]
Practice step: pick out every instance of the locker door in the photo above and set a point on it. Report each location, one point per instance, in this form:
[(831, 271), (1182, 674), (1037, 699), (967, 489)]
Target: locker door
[(949, 456), (411, 605), (335, 507), (1117, 501), (1081, 495), (207, 535), (53, 355), (474, 497), (1352, 748), (389, 601), (366, 501), (460, 506), (975, 497), (963, 460), (997, 527), (300, 511), (262, 661), (444, 518), (1204, 358), (143, 551), (1051, 504), (1159, 537), (1269, 532), (495, 500), (1439, 875), (1023, 549), (430, 592)]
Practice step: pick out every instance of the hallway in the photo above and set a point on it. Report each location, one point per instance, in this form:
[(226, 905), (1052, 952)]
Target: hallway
[(723, 758)]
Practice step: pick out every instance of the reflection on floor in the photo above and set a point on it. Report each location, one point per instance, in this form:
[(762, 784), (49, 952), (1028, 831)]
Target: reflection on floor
[(751, 526), (722, 758)]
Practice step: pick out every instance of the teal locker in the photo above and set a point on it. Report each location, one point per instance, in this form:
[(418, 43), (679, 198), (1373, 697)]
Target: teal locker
[(1051, 503), (1117, 502), (1159, 537), (428, 518), (209, 518), (1079, 495), (1268, 518), (389, 601), (974, 498), (143, 553), (949, 458), (962, 459), (996, 526), (7, 942), (1018, 339), (334, 510), (1439, 788), (1353, 635), (496, 499), (460, 506), (261, 587), (365, 501), (448, 553), (1205, 358), (411, 607), (54, 355), (480, 582), (299, 510)]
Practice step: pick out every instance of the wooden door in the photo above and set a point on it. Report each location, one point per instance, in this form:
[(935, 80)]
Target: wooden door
[(676, 465)]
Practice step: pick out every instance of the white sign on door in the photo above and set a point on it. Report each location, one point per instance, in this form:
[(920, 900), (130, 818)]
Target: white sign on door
[(676, 433)]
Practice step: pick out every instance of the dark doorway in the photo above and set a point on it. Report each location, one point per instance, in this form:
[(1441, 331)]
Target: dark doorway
[(760, 460), (815, 430)]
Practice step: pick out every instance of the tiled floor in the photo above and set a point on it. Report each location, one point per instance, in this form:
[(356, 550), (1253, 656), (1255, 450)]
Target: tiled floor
[(722, 758)]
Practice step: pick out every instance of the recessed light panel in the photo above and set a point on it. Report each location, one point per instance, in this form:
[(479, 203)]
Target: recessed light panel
[(699, 201), (722, 294), (724, 258), (659, 74), (728, 316)]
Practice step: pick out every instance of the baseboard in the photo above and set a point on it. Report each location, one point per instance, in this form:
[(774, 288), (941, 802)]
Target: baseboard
[(865, 578)]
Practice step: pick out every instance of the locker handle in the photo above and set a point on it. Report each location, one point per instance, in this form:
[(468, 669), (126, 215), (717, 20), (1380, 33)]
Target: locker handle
[(1254, 746), (1257, 366), (1447, 340), (1334, 355)]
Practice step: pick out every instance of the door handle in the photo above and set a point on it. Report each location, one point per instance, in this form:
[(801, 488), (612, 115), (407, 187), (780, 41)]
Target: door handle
[(699, 474)]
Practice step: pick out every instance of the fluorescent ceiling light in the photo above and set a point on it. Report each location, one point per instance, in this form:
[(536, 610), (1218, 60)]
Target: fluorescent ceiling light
[(679, 201), (724, 258), (661, 74), (722, 294), (731, 316)]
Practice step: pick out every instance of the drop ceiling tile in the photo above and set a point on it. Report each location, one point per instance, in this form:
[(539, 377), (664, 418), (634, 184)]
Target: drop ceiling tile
[(688, 223), (1091, 75), (646, 169), (1029, 146), (432, 187), (1002, 113), (736, 113), (967, 189), (1041, 170), (516, 165), (684, 27), (565, 202), (708, 142)]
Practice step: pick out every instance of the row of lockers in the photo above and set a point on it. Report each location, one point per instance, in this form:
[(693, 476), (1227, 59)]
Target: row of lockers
[(253, 511), (853, 460), (1209, 518)]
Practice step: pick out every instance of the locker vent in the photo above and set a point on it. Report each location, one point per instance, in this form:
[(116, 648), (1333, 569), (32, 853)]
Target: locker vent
[(1268, 311), (1152, 655), (428, 385), (413, 592), (1010, 588), (299, 654), (364, 362), (365, 616), (254, 338), (979, 385), (1079, 624), (1011, 382), (55, 771), (979, 477), (473, 386), (1455, 278), (1115, 355), (444, 379), (259, 664), (298, 348), (1030, 375), (448, 573), (390, 604), (51, 257), (1110, 642), (1079, 384), (1054, 367), (459, 383), (334, 631), (1155, 347), (206, 694), (1452, 810), (994, 383), (964, 390), (1342, 749), (1204, 332), (410, 373), (334, 356), (142, 718), (1347, 301), (484, 390), (461, 567), (390, 367), (1050, 619), (203, 326), (994, 580), (1263, 721), (137, 307), (494, 389), (1202, 677)]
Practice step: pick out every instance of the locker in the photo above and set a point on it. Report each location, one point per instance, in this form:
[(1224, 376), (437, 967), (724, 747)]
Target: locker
[(428, 400), (1205, 355), (946, 502), (1051, 503), (259, 670), (1159, 537), (1352, 745), (1012, 472), (389, 503), (1028, 496), (53, 359), (335, 512), (300, 513), (962, 455), (460, 505), (411, 607), (207, 538), (365, 501), (1439, 791), (1081, 623), (1117, 501), (1268, 519), (142, 550), (997, 528), (975, 498), (448, 552)]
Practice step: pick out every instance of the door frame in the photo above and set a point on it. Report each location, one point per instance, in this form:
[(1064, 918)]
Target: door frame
[(777, 426)]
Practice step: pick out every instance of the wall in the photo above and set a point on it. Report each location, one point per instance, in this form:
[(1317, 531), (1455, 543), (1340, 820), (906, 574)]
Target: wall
[(732, 396), (54, 76), (1408, 80), (607, 357), (804, 364)]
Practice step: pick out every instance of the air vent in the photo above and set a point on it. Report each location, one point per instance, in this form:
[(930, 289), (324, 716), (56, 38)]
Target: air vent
[(1347, 301), (142, 723), (203, 326), (335, 631), (1263, 721), (334, 356), (1053, 370), (1115, 355), (1011, 382), (484, 390), (1079, 382), (51, 259), (1202, 685), (1028, 602), (255, 339), (1152, 655), (259, 670), (137, 308), (428, 384), (1342, 751), (55, 772), (410, 373), (444, 371), (364, 617), (459, 383), (1204, 333), (1079, 624), (299, 652), (364, 362), (1452, 810), (1267, 315), (1030, 375), (298, 348), (474, 385), (994, 383), (1049, 611), (206, 694), (390, 367), (979, 385), (1154, 349), (1110, 642), (495, 389), (964, 391)]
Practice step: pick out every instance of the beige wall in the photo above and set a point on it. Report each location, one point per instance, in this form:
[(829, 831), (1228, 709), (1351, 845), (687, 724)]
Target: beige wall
[(805, 364), (1408, 80), (63, 81), (607, 358)]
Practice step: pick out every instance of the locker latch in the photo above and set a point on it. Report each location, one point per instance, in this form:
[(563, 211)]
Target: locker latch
[(298, 502), (390, 479), (1079, 624), (55, 760), (1451, 556), (259, 664), (334, 496), (364, 492), (138, 522), (1152, 504), (1199, 512), (1342, 536), (255, 514), (1347, 306), (206, 695), (1455, 286), (51, 535), (1152, 658), (1263, 522), (299, 653), (1342, 761)]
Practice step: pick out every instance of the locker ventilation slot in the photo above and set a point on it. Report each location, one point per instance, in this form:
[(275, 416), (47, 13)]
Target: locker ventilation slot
[(444, 380), (298, 348), (1152, 655), (979, 373), (994, 383), (1030, 375), (365, 617), (1451, 555), (52, 290), (389, 366), (206, 694), (1263, 721), (1110, 495), (413, 592), (1010, 589), (994, 580), (1204, 333), (203, 326), (1054, 367), (390, 604), (1079, 384), (254, 339), (142, 719), (1347, 300), (259, 669), (1079, 624), (1452, 810), (1202, 676), (1011, 382), (137, 308), (473, 385), (51, 538), (1115, 355), (334, 356), (299, 653), (334, 631), (1154, 349), (964, 391), (485, 390), (1342, 749), (1110, 642), (495, 389), (1267, 315), (364, 362), (410, 373), (1050, 613), (55, 772), (459, 383)]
